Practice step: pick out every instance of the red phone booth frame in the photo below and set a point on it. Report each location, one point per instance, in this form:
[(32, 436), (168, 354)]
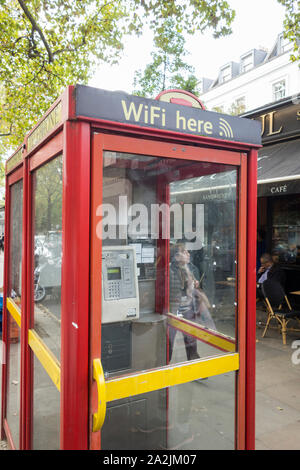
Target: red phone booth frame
[(71, 135)]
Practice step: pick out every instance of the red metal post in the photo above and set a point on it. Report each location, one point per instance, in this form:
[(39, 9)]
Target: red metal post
[(27, 313), (251, 299), (75, 286), (4, 314)]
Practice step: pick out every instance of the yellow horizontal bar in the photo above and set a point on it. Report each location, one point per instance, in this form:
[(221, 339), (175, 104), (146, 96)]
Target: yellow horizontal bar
[(14, 310), (218, 340), (169, 376), (45, 356)]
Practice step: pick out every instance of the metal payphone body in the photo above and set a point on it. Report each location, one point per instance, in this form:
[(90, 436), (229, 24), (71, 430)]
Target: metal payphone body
[(120, 300)]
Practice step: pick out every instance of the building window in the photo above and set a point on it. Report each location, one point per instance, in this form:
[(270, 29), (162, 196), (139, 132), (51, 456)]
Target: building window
[(238, 106), (241, 102), (279, 90), (284, 45), (225, 74), (247, 63), (218, 109)]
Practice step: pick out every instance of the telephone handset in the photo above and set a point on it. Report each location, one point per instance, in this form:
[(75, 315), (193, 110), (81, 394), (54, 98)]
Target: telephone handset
[(120, 294)]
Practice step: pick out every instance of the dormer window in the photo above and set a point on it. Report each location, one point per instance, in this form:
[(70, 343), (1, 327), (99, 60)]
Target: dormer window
[(284, 45), (225, 74), (247, 62)]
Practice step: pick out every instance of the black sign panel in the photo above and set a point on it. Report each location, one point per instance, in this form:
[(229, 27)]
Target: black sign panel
[(278, 188), (123, 108), (279, 122)]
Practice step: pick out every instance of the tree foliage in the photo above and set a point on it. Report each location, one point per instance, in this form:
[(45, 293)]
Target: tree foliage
[(48, 196), (292, 25), (46, 45), (168, 68)]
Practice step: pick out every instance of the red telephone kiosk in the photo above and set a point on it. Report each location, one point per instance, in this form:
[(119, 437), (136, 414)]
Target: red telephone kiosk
[(129, 290)]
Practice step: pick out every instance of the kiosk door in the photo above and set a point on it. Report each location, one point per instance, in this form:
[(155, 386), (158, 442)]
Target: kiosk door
[(167, 327)]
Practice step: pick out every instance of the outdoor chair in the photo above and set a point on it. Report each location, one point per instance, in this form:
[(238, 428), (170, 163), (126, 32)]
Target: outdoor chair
[(278, 306)]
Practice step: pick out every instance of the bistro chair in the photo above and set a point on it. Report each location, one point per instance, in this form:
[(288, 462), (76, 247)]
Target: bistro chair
[(278, 306)]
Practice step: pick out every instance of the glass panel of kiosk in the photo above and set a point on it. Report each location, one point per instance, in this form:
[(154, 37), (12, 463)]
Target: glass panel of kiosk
[(169, 259), (13, 330)]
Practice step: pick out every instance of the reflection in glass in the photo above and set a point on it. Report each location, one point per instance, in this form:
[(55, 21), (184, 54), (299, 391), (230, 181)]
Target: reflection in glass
[(13, 380), (15, 252), (47, 229), (46, 417), (209, 266), (179, 217), (14, 290), (195, 416), (169, 227)]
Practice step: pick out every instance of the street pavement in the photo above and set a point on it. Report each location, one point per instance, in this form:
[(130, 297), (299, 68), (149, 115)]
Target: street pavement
[(277, 388)]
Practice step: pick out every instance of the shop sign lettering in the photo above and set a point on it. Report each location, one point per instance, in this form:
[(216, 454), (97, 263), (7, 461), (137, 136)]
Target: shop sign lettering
[(138, 111), (267, 124), (155, 115), (14, 160), (279, 189), (47, 125), (280, 123)]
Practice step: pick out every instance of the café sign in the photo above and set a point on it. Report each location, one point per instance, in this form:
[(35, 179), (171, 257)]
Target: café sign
[(280, 123)]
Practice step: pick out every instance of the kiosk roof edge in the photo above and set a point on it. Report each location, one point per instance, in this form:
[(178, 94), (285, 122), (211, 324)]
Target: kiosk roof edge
[(119, 106)]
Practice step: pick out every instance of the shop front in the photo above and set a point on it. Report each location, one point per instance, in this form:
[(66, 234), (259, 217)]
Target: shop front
[(129, 288), (278, 188)]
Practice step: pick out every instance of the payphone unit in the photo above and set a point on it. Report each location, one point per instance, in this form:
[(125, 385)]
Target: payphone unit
[(120, 300)]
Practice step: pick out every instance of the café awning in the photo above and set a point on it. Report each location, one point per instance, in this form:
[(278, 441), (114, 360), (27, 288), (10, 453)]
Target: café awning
[(278, 173), (278, 169)]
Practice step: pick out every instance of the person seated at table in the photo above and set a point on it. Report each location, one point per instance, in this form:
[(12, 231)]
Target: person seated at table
[(268, 270)]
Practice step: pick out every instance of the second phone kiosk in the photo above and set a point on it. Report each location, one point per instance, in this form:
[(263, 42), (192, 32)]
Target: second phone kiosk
[(129, 283)]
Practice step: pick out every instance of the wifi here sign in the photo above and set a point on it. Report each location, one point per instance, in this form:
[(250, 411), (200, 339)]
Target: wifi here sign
[(124, 108)]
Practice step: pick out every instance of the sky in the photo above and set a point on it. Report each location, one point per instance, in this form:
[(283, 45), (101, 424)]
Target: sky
[(257, 24)]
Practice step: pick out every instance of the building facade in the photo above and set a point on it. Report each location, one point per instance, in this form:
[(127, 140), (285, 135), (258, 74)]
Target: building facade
[(265, 86), (278, 189), (259, 78)]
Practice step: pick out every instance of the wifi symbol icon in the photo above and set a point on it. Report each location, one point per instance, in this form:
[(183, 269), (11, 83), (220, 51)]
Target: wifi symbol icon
[(225, 129)]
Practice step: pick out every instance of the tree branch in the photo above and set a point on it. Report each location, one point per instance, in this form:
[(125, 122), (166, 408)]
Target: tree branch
[(7, 133), (36, 28), (85, 32)]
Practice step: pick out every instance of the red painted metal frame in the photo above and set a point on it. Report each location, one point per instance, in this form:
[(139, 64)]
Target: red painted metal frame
[(76, 359), (4, 317), (241, 298), (251, 299), (170, 136), (13, 178), (38, 158), (95, 281), (75, 286), (27, 305), (142, 146)]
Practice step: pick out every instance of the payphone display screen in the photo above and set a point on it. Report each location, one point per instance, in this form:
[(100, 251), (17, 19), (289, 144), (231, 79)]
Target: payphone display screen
[(113, 273)]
